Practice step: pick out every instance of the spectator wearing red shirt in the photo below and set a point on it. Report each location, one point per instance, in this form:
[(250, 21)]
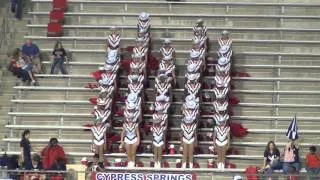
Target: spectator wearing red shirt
[(53, 156), (313, 162)]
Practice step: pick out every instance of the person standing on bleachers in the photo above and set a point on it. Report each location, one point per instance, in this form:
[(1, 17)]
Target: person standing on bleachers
[(271, 160), (113, 41), (59, 56), (26, 150), (31, 50)]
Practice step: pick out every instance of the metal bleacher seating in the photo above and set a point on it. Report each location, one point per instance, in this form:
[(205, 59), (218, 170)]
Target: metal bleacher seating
[(276, 43)]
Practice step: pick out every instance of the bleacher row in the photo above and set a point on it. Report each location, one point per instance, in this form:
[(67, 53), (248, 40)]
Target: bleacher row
[(276, 43)]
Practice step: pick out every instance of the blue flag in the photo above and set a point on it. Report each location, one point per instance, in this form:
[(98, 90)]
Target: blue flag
[(292, 132)]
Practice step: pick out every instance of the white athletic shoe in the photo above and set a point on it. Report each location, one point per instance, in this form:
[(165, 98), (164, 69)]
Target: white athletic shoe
[(222, 166), (184, 165), (219, 166), (190, 165)]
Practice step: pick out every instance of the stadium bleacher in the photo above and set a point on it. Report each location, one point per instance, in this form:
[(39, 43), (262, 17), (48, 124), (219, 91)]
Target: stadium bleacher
[(275, 42)]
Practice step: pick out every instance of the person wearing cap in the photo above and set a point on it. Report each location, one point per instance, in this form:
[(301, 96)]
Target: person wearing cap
[(130, 139), (138, 65), (221, 105), (224, 40), (106, 83), (197, 56), (158, 130), (113, 40), (222, 81), (221, 92), (168, 67), (112, 61), (144, 22), (162, 85), (221, 141), (188, 126), (202, 38), (199, 24), (141, 50), (162, 104), (193, 85), (167, 51), (135, 86)]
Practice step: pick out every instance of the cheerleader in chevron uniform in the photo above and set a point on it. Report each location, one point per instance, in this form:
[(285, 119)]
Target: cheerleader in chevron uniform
[(167, 52), (221, 141), (199, 24), (168, 67), (158, 129), (188, 126), (199, 36), (162, 85), (192, 86), (197, 56), (99, 129), (130, 136), (144, 22), (113, 40), (224, 42)]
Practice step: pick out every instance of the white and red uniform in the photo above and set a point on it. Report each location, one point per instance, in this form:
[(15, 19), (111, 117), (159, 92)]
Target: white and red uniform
[(162, 106), (220, 105), (102, 115), (140, 65), (222, 133), (188, 132), (162, 116), (140, 51), (139, 78), (135, 87), (224, 45), (130, 135), (113, 41), (193, 88), (203, 29), (167, 52), (98, 132), (218, 118), (222, 81), (158, 133), (162, 88), (221, 93)]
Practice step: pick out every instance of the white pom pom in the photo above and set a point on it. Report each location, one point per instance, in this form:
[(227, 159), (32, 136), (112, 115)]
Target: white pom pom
[(171, 146)]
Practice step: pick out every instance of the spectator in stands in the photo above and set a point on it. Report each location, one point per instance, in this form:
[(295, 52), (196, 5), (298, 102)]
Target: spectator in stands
[(26, 150), (25, 70), (36, 165), (271, 159), (291, 162), (313, 162), (59, 56), (31, 50), (13, 65), (16, 7), (53, 156)]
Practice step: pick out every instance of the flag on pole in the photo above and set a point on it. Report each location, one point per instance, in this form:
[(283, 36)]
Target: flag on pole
[(292, 132)]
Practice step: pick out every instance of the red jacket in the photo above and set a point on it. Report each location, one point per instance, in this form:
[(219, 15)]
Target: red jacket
[(51, 155)]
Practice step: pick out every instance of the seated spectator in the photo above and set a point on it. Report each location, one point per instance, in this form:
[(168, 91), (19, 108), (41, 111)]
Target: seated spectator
[(271, 159), (313, 163), (32, 51), (53, 156), (25, 70), (13, 65), (36, 166), (291, 162), (59, 56)]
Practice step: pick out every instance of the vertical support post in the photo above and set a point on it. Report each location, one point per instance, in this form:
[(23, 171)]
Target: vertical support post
[(170, 7), (227, 12), (81, 7), (277, 99)]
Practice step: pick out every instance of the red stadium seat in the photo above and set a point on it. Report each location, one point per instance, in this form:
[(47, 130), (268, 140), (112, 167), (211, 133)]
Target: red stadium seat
[(54, 30), (59, 5), (56, 17)]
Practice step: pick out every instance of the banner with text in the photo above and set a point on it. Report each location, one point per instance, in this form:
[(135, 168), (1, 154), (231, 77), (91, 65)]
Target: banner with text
[(141, 176)]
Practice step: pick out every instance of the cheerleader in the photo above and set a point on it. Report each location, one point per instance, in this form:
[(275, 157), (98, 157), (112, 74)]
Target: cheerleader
[(197, 56), (162, 85), (106, 85), (168, 67), (199, 24), (158, 130), (188, 127), (99, 130), (224, 42), (144, 22), (167, 51), (192, 86), (133, 107), (113, 40), (199, 36), (162, 104), (221, 141), (138, 65), (130, 139)]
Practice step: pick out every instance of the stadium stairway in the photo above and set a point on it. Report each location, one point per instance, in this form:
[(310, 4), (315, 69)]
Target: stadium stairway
[(276, 42)]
